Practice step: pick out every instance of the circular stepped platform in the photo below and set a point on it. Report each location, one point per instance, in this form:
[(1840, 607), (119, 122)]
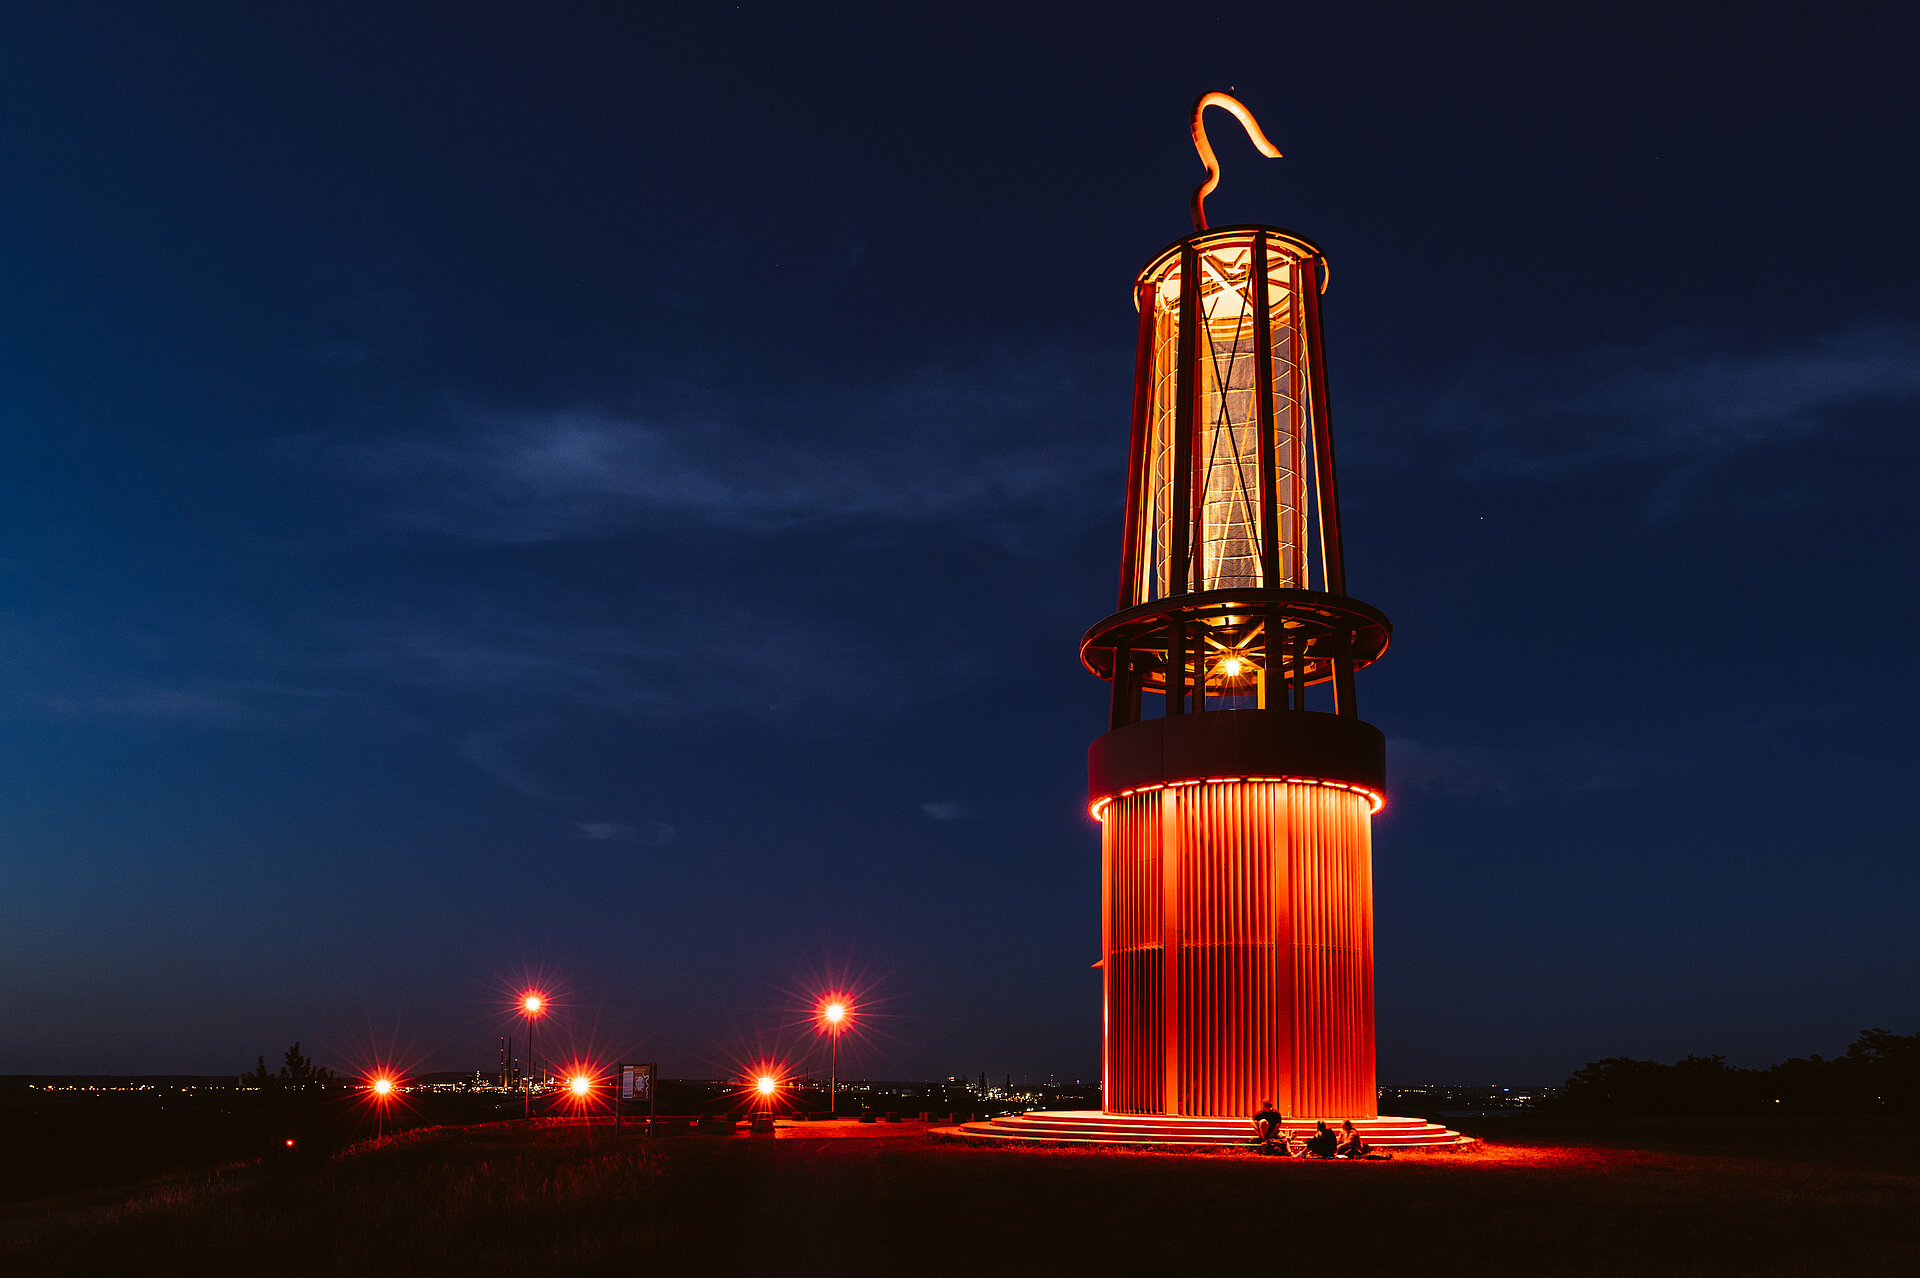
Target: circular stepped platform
[(1092, 1127)]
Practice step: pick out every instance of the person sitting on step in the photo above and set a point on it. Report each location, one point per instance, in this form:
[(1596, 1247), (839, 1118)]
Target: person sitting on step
[(1268, 1126)]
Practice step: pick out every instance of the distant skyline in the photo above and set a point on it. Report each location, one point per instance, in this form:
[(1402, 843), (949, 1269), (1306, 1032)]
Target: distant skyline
[(609, 497)]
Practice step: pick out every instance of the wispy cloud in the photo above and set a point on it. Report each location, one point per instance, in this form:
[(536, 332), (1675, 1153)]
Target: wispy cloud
[(717, 508), (210, 702), (1677, 399), (494, 751), (660, 662), (948, 810), (995, 448), (651, 834)]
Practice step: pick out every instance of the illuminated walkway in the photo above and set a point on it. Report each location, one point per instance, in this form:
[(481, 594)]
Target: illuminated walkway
[(1091, 1127)]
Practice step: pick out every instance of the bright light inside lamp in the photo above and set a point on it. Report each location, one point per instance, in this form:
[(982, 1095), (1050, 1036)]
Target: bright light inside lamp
[(532, 1004), (764, 1084), (1232, 667), (835, 1013), (383, 1087), (579, 1084)]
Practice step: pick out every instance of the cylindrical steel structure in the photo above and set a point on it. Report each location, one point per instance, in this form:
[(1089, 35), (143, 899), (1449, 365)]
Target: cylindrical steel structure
[(1260, 891), (1237, 910)]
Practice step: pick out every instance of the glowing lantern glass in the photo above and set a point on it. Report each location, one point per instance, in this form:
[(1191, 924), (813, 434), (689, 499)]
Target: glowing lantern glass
[(1226, 500)]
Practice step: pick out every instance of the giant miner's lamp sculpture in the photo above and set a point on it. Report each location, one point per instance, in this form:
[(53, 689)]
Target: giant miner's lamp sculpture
[(1236, 785)]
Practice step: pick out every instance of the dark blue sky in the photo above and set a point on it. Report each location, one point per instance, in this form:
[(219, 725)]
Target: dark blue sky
[(614, 494)]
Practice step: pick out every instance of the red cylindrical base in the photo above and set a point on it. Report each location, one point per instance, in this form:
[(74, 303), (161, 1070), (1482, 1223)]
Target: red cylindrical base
[(1238, 955)]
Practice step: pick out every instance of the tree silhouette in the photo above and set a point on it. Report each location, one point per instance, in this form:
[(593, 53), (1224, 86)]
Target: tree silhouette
[(1880, 1072), (298, 1075), (295, 1116)]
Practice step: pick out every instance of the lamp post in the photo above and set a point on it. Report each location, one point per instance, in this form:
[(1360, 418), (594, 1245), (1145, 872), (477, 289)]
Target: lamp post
[(766, 1086), (532, 1004), (382, 1088), (833, 1013)]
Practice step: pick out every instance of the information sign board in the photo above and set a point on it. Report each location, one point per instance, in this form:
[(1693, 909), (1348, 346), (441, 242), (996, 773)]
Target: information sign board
[(638, 1091)]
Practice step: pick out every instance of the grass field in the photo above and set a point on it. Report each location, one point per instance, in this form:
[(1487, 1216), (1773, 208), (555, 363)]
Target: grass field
[(1679, 1197)]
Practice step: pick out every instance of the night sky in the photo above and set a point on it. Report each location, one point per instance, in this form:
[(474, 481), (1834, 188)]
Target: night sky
[(610, 495)]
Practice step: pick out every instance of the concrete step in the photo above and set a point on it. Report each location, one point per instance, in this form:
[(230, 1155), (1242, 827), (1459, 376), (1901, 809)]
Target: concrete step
[(1093, 1127)]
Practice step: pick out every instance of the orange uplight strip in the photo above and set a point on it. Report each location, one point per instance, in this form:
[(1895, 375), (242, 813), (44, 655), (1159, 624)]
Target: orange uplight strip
[(1375, 800)]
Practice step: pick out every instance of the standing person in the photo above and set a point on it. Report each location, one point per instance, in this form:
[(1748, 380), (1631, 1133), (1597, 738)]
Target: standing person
[(1268, 1126)]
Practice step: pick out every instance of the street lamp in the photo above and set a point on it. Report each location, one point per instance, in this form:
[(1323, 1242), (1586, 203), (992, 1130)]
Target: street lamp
[(532, 1005), (765, 1087), (382, 1088), (834, 1013)]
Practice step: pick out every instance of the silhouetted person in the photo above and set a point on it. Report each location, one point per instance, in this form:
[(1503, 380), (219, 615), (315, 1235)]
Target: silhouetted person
[(1323, 1143), (1268, 1126), (1349, 1144)]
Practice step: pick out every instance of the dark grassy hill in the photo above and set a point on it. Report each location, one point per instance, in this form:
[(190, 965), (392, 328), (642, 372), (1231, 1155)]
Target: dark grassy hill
[(576, 1200)]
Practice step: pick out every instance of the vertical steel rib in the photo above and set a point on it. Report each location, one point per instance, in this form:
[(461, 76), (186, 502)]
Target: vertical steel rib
[(1307, 290), (1263, 414), (1130, 556)]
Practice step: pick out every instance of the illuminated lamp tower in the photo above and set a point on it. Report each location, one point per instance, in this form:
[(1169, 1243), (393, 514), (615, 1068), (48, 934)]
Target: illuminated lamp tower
[(1236, 786)]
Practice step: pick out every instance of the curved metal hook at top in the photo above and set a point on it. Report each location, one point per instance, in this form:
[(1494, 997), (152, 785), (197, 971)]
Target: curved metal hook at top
[(1200, 144)]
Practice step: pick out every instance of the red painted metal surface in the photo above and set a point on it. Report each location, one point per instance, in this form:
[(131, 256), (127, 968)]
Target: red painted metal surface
[(1238, 963)]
